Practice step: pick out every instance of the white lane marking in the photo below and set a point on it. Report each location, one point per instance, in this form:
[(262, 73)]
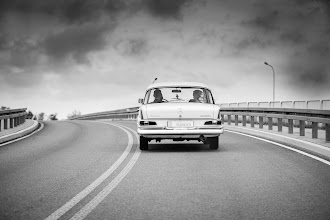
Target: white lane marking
[(26, 136), (66, 207), (284, 146), (110, 187), (295, 139)]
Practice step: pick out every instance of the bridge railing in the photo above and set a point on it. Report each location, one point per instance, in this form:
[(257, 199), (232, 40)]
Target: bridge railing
[(272, 116), (12, 118), (310, 104), (126, 113), (303, 118)]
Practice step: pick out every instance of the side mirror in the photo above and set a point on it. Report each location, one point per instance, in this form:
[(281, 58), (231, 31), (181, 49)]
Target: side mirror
[(140, 100)]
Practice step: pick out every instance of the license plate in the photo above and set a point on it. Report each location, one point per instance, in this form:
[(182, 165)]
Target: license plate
[(180, 124)]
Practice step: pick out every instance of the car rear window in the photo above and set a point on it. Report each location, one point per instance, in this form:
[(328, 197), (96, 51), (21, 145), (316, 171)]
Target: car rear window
[(179, 94)]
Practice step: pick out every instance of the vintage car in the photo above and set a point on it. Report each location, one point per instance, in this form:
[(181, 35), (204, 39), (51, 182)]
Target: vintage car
[(179, 111)]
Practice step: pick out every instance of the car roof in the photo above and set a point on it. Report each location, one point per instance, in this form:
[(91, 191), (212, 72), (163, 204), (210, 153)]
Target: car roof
[(177, 84)]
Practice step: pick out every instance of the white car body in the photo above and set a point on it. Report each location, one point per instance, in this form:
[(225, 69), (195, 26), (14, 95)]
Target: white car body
[(177, 118)]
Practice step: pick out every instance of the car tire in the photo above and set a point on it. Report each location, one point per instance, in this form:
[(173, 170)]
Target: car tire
[(213, 142), (143, 143)]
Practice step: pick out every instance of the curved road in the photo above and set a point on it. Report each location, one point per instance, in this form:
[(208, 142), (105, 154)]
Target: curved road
[(94, 170)]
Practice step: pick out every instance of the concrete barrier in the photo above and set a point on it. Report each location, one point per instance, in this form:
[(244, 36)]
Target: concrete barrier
[(24, 129), (12, 118)]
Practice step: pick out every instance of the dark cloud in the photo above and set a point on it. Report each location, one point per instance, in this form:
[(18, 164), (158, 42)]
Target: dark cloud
[(286, 16), (293, 37), (251, 42), (136, 47), (4, 41), (311, 78), (300, 29), (310, 68), (19, 53), (314, 77), (23, 54), (165, 9), (71, 11), (76, 42), (265, 20), (88, 10), (321, 49), (17, 78), (81, 27), (80, 11), (326, 4)]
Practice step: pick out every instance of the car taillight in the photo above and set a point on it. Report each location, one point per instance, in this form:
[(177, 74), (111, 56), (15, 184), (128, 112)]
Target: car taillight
[(213, 122), (141, 114), (148, 123)]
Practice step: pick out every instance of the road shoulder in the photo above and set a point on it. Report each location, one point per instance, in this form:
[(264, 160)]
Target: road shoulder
[(316, 147)]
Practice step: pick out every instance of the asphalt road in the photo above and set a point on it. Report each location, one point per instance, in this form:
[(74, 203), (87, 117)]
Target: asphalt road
[(91, 170)]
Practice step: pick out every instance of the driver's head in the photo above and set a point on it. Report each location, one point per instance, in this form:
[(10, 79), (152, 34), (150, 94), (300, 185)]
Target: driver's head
[(158, 94)]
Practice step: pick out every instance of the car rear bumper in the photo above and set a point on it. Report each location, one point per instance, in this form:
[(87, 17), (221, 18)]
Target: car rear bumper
[(180, 133)]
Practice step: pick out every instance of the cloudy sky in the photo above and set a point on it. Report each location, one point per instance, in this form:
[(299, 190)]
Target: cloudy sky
[(99, 55)]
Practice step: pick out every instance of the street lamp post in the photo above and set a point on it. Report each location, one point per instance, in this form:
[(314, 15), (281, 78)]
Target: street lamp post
[(273, 80)]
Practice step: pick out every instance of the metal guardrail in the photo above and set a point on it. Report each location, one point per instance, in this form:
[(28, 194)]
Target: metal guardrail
[(12, 118), (126, 113), (303, 116), (310, 104)]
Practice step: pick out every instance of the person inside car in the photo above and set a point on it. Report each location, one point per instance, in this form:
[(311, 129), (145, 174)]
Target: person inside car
[(158, 96), (197, 96)]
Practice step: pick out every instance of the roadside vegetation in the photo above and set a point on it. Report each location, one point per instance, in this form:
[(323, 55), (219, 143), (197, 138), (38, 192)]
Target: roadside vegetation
[(74, 114)]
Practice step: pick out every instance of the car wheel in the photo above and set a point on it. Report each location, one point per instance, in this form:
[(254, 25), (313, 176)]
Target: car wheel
[(213, 142), (143, 143)]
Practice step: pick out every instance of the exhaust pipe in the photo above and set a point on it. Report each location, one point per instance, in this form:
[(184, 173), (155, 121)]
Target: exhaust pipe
[(202, 138)]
